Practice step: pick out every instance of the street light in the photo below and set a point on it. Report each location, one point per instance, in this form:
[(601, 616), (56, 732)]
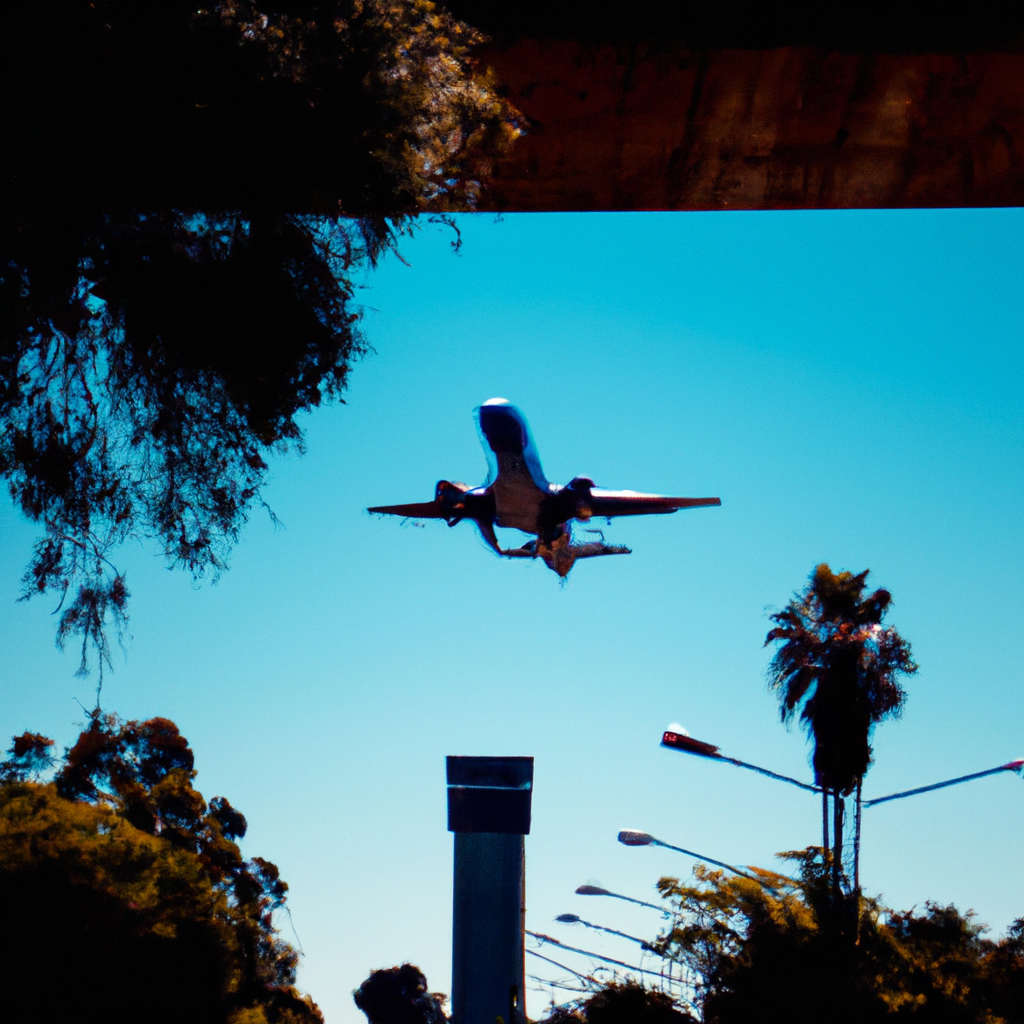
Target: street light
[(1010, 766), (596, 890), (631, 837), (586, 978), (548, 940), (574, 919), (541, 937), (676, 738)]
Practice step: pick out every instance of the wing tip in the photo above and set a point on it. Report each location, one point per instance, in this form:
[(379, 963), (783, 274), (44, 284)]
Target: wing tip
[(414, 510), (697, 503)]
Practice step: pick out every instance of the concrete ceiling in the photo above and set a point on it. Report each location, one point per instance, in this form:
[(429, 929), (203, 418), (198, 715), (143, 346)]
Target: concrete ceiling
[(684, 108)]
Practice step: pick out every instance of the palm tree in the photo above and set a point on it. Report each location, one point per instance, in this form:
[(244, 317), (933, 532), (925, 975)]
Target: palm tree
[(838, 667)]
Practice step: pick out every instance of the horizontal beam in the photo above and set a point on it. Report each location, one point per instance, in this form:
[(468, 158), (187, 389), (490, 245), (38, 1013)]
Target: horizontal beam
[(664, 127)]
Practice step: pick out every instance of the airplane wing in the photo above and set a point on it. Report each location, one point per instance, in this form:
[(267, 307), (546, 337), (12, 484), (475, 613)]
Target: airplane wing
[(436, 510), (415, 510), (631, 503)]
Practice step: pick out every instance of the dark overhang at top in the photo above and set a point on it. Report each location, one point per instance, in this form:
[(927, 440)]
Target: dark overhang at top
[(896, 26), (715, 106), (656, 105)]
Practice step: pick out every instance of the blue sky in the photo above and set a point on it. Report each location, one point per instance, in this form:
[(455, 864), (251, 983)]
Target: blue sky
[(848, 382)]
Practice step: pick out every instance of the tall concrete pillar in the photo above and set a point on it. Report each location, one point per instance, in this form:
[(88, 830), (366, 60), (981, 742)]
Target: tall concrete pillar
[(489, 800)]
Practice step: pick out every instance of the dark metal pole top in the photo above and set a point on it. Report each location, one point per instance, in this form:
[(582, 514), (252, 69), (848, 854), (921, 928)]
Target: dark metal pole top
[(490, 794)]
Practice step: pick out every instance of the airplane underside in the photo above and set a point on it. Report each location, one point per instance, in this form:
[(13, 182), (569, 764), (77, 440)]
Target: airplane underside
[(518, 496)]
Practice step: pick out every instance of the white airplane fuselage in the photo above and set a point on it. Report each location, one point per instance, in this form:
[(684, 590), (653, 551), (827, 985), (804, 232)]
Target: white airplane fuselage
[(517, 498)]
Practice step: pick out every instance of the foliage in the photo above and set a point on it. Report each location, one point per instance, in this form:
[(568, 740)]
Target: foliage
[(398, 995), (785, 950), (120, 875), (621, 1003), (187, 194), (28, 757), (839, 668)]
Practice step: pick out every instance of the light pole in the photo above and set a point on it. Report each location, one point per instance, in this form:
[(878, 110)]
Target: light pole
[(632, 837), (575, 919), (1010, 766), (548, 940), (676, 738), (596, 890), (541, 937), (587, 979)]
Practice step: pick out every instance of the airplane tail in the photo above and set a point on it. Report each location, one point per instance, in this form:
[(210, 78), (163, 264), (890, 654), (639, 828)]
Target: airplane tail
[(504, 431)]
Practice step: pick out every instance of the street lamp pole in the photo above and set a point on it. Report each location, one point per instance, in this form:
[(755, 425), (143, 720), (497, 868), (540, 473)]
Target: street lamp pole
[(632, 837), (576, 919), (1010, 766), (687, 744), (596, 890), (676, 738), (541, 937)]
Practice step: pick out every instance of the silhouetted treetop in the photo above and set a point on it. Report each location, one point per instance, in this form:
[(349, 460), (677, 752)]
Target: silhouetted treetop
[(839, 668), (184, 195), (360, 107), (399, 995), (121, 875), (27, 758), (621, 1002), (786, 951)]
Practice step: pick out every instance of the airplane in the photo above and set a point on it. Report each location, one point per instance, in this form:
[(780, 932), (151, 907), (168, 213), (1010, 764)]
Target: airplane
[(517, 495)]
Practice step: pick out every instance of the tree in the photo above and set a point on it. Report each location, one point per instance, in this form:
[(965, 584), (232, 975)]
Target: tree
[(626, 1002), (399, 995), (185, 193), (125, 895), (768, 950), (839, 668)]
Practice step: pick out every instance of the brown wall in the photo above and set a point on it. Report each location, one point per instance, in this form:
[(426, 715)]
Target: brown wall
[(797, 127)]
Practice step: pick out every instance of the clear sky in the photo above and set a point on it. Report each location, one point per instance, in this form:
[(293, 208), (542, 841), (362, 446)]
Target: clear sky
[(850, 384)]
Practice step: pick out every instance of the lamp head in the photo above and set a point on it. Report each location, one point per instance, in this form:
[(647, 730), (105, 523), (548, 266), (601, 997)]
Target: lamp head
[(592, 890), (567, 919), (682, 740), (631, 837)]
